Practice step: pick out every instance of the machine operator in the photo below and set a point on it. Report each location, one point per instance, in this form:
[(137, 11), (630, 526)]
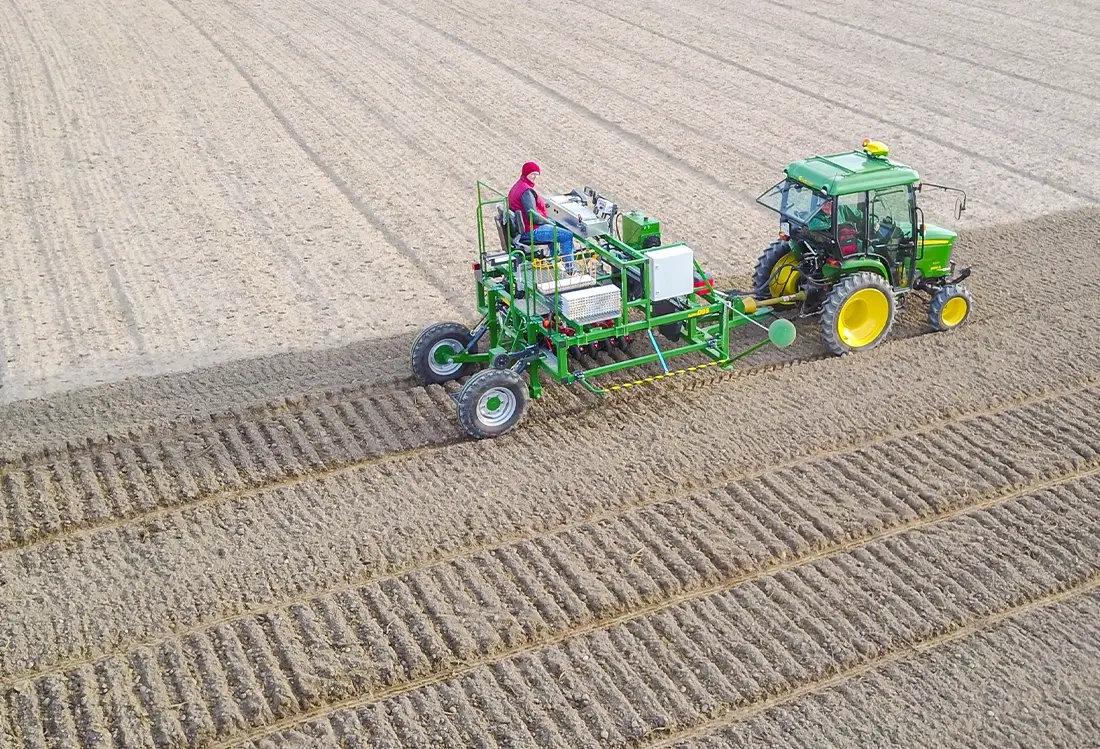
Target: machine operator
[(523, 197)]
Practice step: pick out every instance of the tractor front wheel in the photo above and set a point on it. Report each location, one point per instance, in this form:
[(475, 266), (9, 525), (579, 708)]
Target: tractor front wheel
[(858, 313), (433, 349), (776, 273), (492, 402), (949, 308)]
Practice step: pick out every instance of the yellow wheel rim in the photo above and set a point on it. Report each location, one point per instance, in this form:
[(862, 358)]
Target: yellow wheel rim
[(954, 311), (863, 317), (784, 276)]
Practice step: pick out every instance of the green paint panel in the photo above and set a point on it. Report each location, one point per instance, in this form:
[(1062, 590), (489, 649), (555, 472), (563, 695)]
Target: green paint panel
[(935, 251), (863, 264), (637, 228), (853, 171)]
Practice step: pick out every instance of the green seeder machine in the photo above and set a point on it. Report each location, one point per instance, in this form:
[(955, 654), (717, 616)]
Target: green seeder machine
[(540, 309), (850, 245)]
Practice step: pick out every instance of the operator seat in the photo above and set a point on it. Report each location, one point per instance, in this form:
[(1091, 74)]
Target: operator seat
[(887, 240), (889, 235), (510, 223)]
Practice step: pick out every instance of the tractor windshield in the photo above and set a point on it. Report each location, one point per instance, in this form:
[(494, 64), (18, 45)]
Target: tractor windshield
[(793, 201)]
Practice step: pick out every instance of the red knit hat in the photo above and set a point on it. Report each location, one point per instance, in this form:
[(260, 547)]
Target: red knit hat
[(529, 167)]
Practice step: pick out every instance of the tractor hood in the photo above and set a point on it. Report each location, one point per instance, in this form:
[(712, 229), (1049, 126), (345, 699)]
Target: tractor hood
[(936, 247), (937, 235)]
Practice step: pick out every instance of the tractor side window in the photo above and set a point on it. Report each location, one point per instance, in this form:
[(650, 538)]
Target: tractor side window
[(850, 227), (891, 213)]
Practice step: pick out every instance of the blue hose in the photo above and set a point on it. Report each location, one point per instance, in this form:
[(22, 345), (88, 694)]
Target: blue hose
[(656, 348)]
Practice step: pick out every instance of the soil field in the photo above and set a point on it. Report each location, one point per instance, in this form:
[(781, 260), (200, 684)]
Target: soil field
[(229, 517)]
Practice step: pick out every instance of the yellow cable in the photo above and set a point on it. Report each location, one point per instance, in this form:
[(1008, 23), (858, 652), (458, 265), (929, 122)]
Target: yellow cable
[(655, 378)]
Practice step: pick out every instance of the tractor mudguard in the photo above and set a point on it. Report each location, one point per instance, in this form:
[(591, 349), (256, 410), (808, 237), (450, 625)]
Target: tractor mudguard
[(798, 248), (855, 265)]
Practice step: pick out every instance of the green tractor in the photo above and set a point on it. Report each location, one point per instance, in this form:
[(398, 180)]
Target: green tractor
[(852, 242)]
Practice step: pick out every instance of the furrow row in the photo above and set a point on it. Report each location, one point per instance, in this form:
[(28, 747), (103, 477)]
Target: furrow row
[(127, 480), (84, 488), (50, 450), (123, 479), (275, 544), (1048, 654), (391, 634), (710, 660)]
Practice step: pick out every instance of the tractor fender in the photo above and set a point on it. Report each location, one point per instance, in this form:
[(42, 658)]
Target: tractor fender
[(860, 264)]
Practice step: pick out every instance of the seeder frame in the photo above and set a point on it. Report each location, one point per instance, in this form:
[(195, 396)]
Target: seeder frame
[(524, 339)]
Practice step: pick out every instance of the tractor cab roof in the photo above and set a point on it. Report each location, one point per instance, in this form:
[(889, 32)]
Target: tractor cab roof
[(853, 171)]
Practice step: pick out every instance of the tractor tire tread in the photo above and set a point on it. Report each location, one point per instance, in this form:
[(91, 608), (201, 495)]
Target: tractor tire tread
[(834, 302), (761, 273), (940, 299)]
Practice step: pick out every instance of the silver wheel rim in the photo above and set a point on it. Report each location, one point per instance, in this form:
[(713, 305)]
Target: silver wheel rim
[(437, 367), (496, 406)]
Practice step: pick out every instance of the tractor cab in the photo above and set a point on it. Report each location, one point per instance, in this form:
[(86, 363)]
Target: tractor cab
[(850, 207), (849, 222)]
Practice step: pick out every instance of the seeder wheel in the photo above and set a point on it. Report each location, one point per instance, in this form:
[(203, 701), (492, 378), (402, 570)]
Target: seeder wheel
[(432, 349), (492, 402)]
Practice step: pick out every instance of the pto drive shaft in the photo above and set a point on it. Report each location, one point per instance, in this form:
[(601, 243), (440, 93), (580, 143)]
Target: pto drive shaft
[(751, 304)]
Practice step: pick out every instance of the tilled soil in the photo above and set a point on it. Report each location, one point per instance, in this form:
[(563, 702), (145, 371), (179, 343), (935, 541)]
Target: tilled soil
[(350, 570), (1030, 681), (219, 180), (896, 549)]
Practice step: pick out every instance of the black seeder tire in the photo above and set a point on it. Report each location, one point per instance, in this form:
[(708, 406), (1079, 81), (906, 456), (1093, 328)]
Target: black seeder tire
[(761, 275), (427, 369), (858, 313), (492, 402), (673, 330), (949, 308)]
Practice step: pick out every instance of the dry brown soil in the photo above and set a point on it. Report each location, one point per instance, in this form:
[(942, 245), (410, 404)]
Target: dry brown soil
[(228, 516)]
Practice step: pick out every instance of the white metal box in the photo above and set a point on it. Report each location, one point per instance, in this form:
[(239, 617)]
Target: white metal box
[(671, 272), (565, 283), (594, 304)]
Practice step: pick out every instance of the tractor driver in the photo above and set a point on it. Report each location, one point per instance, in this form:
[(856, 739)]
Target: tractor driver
[(888, 232), (823, 219), (524, 198), (849, 217)]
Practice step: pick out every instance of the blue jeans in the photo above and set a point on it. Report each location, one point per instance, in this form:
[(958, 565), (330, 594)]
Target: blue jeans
[(544, 234)]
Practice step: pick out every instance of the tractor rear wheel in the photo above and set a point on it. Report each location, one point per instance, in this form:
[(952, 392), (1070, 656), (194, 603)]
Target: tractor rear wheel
[(858, 313), (492, 402), (949, 308), (776, 273), (432, 349)]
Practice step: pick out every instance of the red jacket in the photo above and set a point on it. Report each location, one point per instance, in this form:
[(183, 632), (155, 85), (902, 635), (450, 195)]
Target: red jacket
[(515, 200)]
